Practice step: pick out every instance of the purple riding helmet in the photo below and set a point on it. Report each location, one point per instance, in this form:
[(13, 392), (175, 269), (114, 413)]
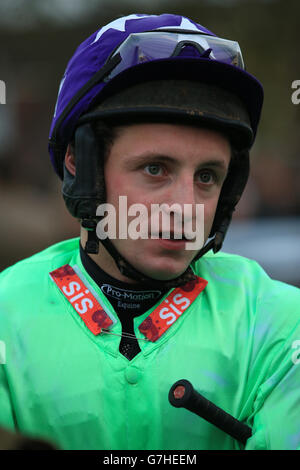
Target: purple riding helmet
[(152, 68)]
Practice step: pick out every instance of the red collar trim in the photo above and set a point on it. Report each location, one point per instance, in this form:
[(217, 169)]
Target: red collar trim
[(171, 308)]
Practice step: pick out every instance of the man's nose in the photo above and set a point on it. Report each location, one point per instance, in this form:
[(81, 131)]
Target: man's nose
[(180, 202), (182, 191)]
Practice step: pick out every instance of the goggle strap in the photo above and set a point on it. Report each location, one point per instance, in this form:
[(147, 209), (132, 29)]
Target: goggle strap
[(182, 44), (97, 77)]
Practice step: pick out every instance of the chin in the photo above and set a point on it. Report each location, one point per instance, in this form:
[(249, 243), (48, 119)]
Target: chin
[(159, 266), (164, 273)]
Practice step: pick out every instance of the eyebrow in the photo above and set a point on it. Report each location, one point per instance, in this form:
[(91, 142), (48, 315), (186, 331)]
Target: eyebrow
[(145, 158)]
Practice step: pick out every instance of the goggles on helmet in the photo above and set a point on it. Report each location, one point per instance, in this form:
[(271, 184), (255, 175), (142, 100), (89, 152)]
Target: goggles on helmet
[(147, 46)]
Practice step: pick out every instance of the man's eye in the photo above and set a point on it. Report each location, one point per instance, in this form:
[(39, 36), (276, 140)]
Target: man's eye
[(153, 169), (206, 177)]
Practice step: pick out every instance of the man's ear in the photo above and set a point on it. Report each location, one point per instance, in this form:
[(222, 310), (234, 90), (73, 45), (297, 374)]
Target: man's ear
[(70, 160)]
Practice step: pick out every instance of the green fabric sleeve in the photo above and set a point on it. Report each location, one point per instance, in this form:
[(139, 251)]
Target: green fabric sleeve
[(276, 409), (6, 412)]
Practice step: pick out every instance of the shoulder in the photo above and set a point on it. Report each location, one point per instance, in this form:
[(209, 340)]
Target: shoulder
[(32, 270), (244, 285), (238, 270), (230, 272), (32, 310), (228, 265)]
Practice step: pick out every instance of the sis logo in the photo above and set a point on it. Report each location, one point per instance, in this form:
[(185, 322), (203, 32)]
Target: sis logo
[(169, 313), (82, 299), (85, 302), (171, 308)]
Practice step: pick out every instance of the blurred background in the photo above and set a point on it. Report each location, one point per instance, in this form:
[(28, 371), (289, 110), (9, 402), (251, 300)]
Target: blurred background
[(38, 37)]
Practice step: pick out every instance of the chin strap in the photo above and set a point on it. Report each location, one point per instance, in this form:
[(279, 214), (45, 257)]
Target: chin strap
[(216, 243), (92, 244), (125, 268)]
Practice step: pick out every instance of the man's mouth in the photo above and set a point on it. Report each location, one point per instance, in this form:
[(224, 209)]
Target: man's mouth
[(176, 236), (172, 236)]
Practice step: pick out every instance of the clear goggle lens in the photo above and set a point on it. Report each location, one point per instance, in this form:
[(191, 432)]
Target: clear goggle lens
[(144, 47)]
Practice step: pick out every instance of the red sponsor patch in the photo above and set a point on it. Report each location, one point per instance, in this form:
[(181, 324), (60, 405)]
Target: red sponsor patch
[(80, 297), (170, 309)]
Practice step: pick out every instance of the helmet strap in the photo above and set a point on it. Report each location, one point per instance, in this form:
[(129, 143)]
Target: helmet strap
[(216, 242)]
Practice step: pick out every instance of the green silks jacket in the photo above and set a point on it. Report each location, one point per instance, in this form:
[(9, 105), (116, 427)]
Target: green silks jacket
[(238, 343)]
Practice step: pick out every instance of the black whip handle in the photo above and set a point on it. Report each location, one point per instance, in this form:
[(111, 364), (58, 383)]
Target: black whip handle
[(183, 395)]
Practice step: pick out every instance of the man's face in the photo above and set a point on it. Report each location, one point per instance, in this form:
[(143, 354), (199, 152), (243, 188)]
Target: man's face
[(171, 164)]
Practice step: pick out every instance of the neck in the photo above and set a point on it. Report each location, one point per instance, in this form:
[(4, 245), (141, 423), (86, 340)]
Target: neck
[(105, 261)]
